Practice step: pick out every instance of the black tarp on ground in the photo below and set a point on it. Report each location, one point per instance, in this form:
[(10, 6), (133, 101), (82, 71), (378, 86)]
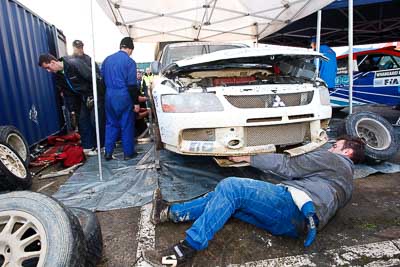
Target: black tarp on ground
[(374, 21), (124, 185)]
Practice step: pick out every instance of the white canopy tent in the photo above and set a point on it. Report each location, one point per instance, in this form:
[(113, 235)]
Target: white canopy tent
[(205, 20)]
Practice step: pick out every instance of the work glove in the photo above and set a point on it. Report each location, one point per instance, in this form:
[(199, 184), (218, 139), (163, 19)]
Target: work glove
[(312, 222)]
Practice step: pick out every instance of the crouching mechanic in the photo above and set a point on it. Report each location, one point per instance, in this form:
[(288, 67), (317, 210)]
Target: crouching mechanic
[(313, 187)]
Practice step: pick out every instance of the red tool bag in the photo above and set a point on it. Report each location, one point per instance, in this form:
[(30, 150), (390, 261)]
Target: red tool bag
[(71, 155), (69, 138), (65, 148)]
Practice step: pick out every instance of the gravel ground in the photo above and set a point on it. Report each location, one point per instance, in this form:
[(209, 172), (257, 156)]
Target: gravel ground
[(371, 216)]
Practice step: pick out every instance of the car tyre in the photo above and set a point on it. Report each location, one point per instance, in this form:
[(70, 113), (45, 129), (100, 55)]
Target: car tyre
[(38, 230), (11, 136), (14, 173), (92, 233), (377, 132)]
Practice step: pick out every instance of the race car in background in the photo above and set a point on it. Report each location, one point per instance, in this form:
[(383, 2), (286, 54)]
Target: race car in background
[(376, 78)]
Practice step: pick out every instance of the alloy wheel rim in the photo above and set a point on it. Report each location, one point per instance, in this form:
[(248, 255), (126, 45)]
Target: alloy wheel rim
[(374, 134), (22, 239), (16, 142), (11, 161)]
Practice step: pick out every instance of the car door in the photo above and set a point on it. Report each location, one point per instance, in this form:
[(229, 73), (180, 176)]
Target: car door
[(377, 79)]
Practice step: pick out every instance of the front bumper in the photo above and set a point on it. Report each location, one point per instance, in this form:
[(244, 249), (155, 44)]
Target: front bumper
[(249, 140)]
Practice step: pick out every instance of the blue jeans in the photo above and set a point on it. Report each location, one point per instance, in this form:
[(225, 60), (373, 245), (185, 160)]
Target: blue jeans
[(262, 204)]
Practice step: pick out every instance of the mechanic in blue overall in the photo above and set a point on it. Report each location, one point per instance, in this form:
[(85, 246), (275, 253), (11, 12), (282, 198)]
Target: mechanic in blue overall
[(321, 180), (119, 74), (327, 69)]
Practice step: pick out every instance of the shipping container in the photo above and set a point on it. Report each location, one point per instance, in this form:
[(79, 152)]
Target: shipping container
[(28, 98)]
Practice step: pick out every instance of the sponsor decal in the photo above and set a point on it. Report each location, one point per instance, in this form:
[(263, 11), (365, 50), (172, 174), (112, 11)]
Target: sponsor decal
[(342, 80), (387, 78), (33, 114), (387, 73), (389, 81)]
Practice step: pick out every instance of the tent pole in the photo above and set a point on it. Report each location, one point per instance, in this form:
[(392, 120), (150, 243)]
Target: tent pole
[(94, 83), (319, 19), (350, 58)]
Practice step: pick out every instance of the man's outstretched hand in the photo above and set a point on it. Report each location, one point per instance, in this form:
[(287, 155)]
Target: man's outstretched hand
[(240, 159)]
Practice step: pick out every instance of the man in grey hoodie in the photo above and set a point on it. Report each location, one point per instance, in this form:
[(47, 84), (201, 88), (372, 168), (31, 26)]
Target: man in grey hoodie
[(320, 181)]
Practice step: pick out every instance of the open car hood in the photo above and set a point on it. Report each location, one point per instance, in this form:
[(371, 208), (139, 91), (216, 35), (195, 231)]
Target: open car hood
[(239, 56)]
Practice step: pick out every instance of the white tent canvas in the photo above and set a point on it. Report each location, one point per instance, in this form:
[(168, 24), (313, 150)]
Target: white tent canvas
[(205, 20)]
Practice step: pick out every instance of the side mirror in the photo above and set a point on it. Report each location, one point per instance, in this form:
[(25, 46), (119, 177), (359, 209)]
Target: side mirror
[(155, 67)]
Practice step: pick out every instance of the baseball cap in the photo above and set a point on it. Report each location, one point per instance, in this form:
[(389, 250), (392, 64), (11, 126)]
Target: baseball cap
[(313, 39), (127, 42), (77, 43)]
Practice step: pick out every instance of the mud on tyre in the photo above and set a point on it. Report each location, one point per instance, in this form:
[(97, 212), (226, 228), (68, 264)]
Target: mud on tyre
[(37, 230), (92, 233)]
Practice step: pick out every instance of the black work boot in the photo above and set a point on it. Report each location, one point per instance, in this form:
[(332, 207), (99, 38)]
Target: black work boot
[(177, 255), (108, 157), (131, 156), (160, 208)]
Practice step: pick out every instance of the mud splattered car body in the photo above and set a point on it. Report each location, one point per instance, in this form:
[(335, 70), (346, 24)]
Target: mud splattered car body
[(242, 101)]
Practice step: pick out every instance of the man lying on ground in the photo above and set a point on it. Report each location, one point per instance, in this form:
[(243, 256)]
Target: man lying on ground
[(313, 187)]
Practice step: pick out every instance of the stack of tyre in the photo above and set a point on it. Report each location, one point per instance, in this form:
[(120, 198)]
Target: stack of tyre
[(35, 229)]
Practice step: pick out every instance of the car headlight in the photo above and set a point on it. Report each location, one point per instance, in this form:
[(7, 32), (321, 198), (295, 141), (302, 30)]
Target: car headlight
[(324, 96), (191, 102)]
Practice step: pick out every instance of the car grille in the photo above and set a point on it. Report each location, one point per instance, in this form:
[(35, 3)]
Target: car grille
[(292, 133), (276, 134), (267, 101), (199, 135)]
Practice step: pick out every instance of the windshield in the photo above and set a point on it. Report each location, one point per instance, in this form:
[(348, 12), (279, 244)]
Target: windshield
[(173, 54)]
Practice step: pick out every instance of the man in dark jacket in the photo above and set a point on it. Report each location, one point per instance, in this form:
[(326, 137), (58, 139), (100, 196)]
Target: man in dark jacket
[(78, 78), (79, 53), (324, 176), (77, 46)]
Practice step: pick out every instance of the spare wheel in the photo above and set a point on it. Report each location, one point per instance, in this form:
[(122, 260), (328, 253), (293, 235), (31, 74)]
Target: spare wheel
[(14, 173), (36, 230), (377, 132), (10, 135)]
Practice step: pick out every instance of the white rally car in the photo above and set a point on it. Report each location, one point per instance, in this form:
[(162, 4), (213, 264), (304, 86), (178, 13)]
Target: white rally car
[(241, 101)]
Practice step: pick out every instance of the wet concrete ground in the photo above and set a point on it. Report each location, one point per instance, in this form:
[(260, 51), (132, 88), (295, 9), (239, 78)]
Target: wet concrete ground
[(373, 215)]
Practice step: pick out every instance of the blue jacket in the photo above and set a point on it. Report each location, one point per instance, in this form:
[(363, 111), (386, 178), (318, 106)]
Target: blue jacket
[(119, 72), (328, 69)]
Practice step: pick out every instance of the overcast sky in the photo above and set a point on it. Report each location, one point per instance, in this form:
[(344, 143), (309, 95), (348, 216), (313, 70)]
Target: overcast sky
[(73, 17)]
